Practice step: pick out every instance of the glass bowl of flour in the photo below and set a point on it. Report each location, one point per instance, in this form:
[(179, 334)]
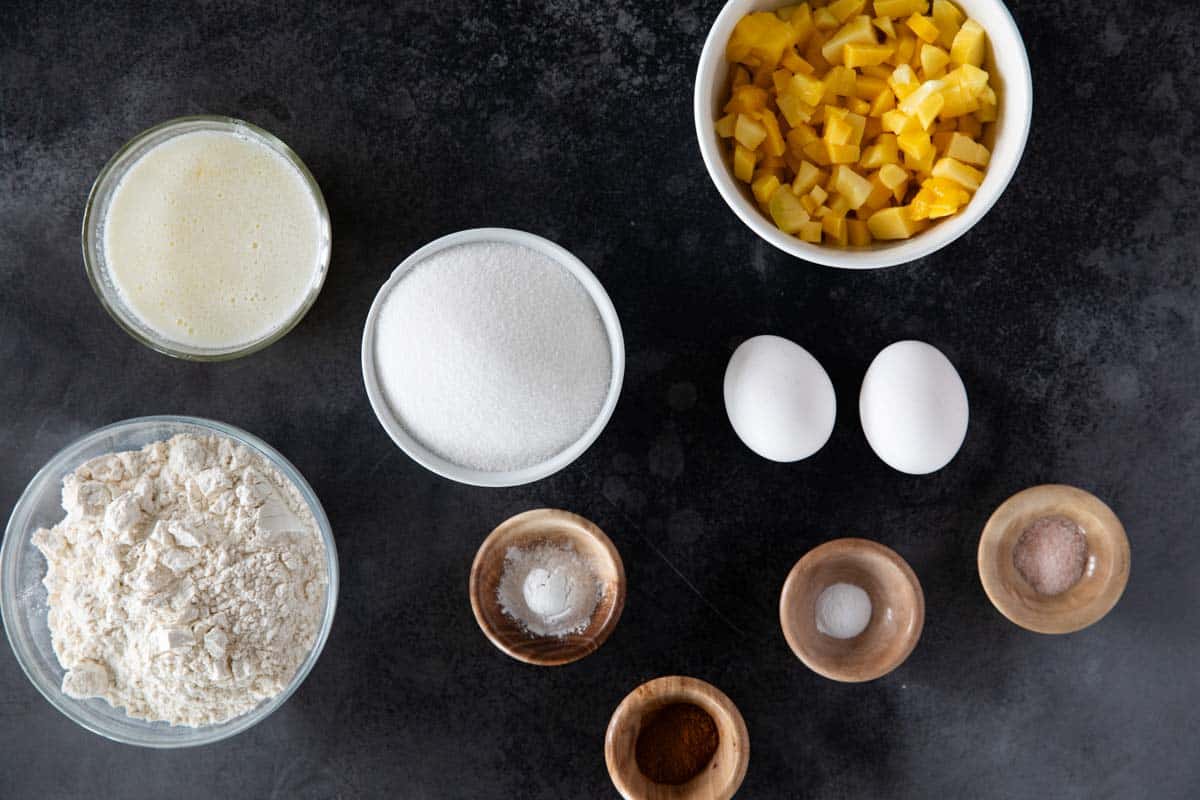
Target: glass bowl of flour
[(32, 540)]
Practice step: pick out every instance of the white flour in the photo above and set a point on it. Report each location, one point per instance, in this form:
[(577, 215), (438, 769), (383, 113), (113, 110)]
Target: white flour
[(186, 583), (549, 589)]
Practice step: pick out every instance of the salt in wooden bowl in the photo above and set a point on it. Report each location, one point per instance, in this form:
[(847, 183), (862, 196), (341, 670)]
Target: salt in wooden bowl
[(897, 610)]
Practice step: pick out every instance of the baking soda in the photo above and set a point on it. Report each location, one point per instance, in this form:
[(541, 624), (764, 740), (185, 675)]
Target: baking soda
[(549, 589), (843, 611), (493, 356)]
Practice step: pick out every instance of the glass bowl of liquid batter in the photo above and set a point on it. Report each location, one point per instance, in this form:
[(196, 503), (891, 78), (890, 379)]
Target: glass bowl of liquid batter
[(24, 602), (206, 238)]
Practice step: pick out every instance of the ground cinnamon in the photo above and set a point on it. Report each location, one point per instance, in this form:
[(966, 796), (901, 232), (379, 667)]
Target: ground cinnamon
[(676, 743)]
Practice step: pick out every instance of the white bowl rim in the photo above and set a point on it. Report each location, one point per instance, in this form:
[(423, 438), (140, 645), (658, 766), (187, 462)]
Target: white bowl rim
[(443, 467), (930, 241), (230, 728)]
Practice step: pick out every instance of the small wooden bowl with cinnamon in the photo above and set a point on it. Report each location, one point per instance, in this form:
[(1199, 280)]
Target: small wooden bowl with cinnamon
[(1062, 540), (686, 733), (558, 528)]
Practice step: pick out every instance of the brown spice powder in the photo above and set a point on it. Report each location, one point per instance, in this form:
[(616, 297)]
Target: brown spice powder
[(1051, 554), (676, 743)]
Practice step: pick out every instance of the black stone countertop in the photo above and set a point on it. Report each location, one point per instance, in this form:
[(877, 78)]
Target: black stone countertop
[(1072, 312)]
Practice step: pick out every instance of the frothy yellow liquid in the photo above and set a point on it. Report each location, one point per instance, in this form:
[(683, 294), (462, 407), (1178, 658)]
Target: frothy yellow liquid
[(213, 239)]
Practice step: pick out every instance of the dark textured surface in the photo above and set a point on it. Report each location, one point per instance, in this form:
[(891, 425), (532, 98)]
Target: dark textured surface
[(1071, 312)]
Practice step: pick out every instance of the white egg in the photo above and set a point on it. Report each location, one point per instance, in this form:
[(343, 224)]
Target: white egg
[(913, 407), (779, 399)]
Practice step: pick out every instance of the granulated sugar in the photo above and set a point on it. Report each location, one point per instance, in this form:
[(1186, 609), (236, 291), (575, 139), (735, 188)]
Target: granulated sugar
[(493, 356)]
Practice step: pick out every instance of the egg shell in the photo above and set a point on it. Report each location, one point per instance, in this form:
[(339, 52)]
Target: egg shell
[(779, 399), (913, 407)]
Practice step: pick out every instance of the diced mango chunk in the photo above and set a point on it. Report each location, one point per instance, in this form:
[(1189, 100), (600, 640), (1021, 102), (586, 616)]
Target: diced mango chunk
[(960, 173), (858, 30), (948, 19), (743, 163), (759, 39), (786, 210), (894, 223), (969, 44), (967, 150), (923, 27), (852, 186), (749, 132), (933, 61), (900, 8), (856, 55), (763, 186)]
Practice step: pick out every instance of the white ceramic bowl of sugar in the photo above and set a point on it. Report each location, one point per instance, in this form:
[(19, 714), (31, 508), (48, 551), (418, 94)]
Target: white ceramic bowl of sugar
[(1008, 65), (425, 455)]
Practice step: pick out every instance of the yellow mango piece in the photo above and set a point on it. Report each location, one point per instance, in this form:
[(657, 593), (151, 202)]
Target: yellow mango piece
[(835, 228), (903, 81), (960, 173), (858, 106), (880, 197), (792, 62), (897, 122), (852, 186), (883, 103), (746, 98), (857, 30), (970, 126), (915, 99), (763, 186), (845, 9), (824, 20), (787, 210), (933, 61), (972, 79), (872, 129), (884, 151), (818, 194), (988, 105), (928, 109), (811, 232), (900, 8), (780, 79), (773, 145), (817, 152), (924, 28), (906, 47), (948, 19), (938, 198), (894, 223), (839, 206), (858, 233), (801, 21), (916, 144), (794, 110), (967, 150), (799, 136), (808, 89), (837, 131), (868, 87), (969, 44), (806, 178), (744, 160), (941, 141), (958, 102), (843, 153), (749, 132), (810, 204), (885, 26), (856, 54), (759, 39), (893, 176), (882, 72), (725, 126), (841, 81)]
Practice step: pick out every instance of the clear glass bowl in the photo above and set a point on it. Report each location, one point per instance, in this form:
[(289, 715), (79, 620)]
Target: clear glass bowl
[(23, 600), (97, 209)]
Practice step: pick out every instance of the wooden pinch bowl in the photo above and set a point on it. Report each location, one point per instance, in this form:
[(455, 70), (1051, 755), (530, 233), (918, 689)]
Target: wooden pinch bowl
[(529, 529), (1105, 573), (897, 610), (726, 770)]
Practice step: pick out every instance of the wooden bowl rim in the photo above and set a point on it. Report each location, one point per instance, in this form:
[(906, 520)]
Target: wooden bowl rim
[(850, 546), (1048, 496), (572, 527), (679, 689)]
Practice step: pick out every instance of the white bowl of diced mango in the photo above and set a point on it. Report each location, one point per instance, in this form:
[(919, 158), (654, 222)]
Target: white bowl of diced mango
[(863, 133)]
